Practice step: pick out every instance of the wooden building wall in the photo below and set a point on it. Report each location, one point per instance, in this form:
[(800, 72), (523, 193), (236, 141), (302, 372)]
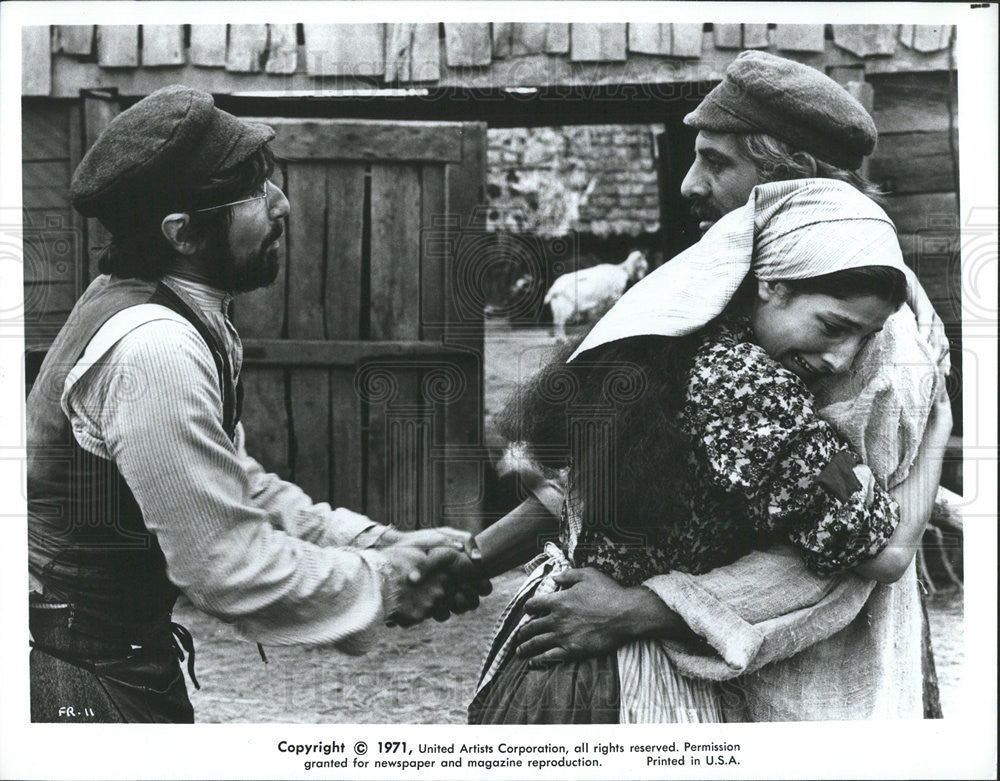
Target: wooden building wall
[(53, 232)]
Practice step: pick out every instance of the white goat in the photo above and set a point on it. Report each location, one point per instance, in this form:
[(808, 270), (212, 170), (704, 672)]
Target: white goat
[(589, 293)]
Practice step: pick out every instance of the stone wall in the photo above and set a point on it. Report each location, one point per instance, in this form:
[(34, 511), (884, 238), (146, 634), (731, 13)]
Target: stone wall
[(592, 179)]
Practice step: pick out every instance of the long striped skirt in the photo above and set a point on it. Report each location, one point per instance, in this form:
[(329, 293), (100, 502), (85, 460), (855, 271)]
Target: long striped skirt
[(638, 684)]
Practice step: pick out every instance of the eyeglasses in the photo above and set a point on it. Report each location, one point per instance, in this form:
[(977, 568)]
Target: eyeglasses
[(262, 194)]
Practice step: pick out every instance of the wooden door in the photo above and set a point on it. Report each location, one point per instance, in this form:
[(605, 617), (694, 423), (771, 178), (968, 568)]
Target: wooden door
[(363, 362)]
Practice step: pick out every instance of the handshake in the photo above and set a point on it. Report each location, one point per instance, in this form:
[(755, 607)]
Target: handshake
[(438, 572)]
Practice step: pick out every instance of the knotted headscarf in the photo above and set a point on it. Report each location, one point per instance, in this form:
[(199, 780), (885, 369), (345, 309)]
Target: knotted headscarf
[(786, 230), (796, 230)]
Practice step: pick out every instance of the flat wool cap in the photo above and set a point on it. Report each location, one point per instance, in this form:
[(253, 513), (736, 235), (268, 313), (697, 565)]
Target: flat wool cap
[(762, 93), (173, 138)]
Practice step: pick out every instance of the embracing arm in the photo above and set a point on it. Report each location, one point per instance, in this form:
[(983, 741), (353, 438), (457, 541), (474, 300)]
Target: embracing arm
[(915, 496)]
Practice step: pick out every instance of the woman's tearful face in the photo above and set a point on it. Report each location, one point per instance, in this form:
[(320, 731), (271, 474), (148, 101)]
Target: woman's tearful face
[(814, 335)]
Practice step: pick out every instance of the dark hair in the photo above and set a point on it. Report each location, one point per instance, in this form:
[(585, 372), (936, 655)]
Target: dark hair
[(884, 282), (777, 161), (611, 415), (144, 253)]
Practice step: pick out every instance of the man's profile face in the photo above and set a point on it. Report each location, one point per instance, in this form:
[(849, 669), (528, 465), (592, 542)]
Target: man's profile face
[(719, 180), (250, 257)]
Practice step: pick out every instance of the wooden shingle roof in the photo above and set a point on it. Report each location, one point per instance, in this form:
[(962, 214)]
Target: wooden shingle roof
[(137, 59)]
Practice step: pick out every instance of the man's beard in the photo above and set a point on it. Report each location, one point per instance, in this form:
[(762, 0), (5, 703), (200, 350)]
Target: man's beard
[(258, 270)]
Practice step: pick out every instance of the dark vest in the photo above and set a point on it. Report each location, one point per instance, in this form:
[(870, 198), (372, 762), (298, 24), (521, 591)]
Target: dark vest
[(87, 542)]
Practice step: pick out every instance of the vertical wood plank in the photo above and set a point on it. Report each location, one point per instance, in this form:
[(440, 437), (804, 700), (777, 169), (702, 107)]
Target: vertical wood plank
[(345, 231), (433, 257), (799, 37), (36, 60), (755, 36), (118, 46), (648, 38), (309, 423), (463, 416), (686, 40), (528, 38), (557, 38), (345, 49), (728, 36), (395, 252), (395, 314), (467, 44), (265, 418), (598, 42), (208, 45), (866, 40), (425, 53), (75, 39), (247, 45), (282, 49), (502, 32), (927, 38), (306, 240), (412, 52), (162, 44), (398, 39), (44, 132), (374, 436), (433, 287), (345, 227), (346, 441)]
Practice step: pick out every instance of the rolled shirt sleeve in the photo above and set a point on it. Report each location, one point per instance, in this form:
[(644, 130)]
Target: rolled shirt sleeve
[(244, 546)]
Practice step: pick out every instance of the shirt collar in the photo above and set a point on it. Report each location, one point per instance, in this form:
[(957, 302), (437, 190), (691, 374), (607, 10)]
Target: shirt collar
[(211, 300)]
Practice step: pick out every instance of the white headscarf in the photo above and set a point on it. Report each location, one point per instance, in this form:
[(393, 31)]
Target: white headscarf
[(796, 230), (786, 230)]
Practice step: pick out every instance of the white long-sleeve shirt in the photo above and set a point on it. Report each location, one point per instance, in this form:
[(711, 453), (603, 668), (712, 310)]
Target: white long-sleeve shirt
[(241, 543)]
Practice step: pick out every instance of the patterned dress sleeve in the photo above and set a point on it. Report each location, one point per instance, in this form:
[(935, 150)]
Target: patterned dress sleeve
[(753, 425)]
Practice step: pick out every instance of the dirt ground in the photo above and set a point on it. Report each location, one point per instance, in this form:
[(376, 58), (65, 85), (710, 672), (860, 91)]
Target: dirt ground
[(426, 674)]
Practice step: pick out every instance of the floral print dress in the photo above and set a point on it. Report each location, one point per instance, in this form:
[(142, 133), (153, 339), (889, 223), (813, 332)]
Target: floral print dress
[(761, 467)]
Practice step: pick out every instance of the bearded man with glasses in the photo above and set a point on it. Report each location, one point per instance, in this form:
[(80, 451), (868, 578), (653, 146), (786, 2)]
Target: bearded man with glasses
[(139, 486)]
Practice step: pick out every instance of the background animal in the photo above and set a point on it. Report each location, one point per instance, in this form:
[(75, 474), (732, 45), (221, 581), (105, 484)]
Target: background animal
[(585, 295)]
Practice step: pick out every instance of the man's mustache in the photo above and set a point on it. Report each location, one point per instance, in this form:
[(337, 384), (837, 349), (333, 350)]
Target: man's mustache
[(703, 211), (277, 229)]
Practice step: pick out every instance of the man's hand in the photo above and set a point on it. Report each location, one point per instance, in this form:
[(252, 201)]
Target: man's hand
[(464, 582), (439, 581), (593, 615), (417, 586)]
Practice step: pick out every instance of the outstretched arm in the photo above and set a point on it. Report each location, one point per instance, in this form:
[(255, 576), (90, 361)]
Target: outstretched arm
[(516, 537)]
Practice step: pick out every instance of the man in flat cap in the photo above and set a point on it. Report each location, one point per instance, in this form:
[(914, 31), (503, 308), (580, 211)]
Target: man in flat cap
[(139, 487), (770, 119)]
